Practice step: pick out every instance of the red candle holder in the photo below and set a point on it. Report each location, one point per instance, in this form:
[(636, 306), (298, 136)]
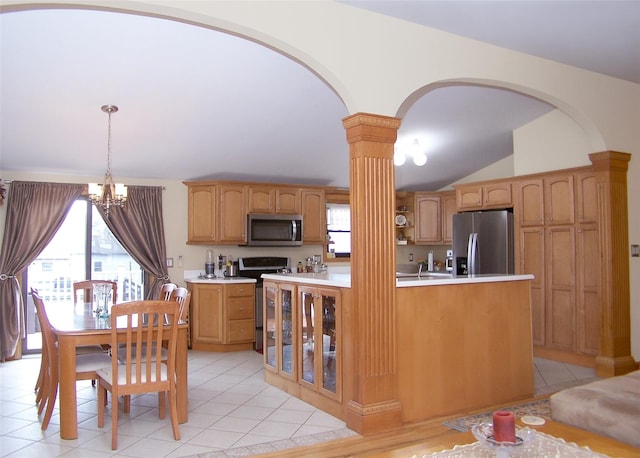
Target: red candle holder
[(504, 426)]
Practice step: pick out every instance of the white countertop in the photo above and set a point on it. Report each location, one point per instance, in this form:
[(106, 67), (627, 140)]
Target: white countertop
[(340, 280), (343, 280), (220, 280)]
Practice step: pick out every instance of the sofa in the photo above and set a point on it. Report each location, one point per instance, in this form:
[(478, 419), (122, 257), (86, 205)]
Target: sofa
[(609, 407)]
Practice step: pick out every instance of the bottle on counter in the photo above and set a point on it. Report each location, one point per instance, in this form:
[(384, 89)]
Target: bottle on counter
[(309, 265), (300, 267)]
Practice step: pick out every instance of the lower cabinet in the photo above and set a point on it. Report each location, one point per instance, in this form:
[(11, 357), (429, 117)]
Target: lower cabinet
[(222, 316), (302, 342)]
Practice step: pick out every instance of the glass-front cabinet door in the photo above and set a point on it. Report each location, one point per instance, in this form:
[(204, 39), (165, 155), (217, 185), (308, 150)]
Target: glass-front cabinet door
[(270, 291), (286, 320), (319, 345), (279, 329)]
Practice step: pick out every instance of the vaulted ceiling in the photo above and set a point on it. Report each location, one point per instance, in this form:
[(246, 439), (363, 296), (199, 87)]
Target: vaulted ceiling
[(60, 66)]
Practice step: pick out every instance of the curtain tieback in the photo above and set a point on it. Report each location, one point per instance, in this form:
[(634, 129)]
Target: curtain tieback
[(6, 277), (165, 278)]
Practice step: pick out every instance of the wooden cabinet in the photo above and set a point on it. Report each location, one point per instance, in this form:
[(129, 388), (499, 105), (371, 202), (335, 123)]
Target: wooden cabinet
[(556, 218), (222, 316), (217, 213), (239, 316), (269, 199), (314, 209), (280, 317), (206, 315), (428, 216), (449, 208), (202, 214), (233, 213), (318, 352), (303, 342), (482, 196)]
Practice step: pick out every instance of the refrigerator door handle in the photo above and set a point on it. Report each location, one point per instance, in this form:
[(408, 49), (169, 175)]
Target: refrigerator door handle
[(473, 249), (470, 253)]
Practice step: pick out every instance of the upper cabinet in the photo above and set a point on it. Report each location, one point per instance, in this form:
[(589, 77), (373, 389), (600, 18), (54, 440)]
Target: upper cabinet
[(203, 205), (314, 226), (269, 199), (428, 216), (449, 209), (548, 200), (481, 196), (217, 210)]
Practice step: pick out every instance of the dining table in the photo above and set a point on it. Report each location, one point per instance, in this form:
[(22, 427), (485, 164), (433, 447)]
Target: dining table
[(78, 324)]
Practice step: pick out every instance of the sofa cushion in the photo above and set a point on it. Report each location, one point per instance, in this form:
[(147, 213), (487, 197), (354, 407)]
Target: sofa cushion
[(609, 407)]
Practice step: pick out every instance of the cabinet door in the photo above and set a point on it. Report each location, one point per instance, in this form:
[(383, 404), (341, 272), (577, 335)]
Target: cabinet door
[(428, 218), (314, 210), (207, 317), (559, 200), (586, 199), (286, 331), (233, 214), (469, 197), (497, 195), (319, 342), (530, 203), (270, 291), (448, 210), (560, 266), (240, 312), (309, 312), (288, 201), (588, 289), (532, 262), (261, 199), (202, 214)]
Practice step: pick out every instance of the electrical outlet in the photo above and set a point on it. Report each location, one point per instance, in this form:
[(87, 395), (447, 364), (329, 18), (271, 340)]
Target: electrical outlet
[(410, 257), (635, 251), (180, 261)]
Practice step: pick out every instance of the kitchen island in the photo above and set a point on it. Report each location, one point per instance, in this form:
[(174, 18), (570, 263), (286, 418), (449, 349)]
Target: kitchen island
[(462, 342)]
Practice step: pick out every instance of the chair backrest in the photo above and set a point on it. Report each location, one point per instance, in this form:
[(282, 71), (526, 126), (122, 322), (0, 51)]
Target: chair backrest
[(165, 291), (182, 296), (87, 287), (48, 338), (148, 324)]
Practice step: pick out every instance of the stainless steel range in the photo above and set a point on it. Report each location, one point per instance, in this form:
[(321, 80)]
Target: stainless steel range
[(254, 267)]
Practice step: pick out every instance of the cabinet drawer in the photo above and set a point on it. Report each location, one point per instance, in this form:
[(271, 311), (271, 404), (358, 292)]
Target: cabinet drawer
[(240, 310), (245, 289), (241, 331)]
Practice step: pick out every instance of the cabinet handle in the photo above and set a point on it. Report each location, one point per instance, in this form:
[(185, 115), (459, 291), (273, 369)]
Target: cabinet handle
[(242, 309)]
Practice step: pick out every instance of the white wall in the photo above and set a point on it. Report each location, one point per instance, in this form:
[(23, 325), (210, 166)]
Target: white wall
[(553, 141)]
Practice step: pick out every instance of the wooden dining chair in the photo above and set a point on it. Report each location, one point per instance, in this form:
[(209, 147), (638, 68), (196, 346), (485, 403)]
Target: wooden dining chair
[(182, 296), (165, 291), (87, 287), (148, 324), (86, 364)]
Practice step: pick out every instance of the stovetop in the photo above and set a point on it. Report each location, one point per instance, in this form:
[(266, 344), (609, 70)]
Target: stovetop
[(254, 267)]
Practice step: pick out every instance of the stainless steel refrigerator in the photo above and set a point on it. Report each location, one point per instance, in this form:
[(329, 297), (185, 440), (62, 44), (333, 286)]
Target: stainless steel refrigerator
[(483, 242)]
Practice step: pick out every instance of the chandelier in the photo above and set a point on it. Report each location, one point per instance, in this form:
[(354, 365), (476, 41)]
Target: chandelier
[(108, 194)]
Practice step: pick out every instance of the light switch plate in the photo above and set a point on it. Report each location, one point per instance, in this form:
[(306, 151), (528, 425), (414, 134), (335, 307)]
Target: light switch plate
[(169, 262)]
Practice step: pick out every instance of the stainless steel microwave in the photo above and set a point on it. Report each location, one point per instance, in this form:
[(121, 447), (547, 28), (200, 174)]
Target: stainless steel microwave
[(274, 230)]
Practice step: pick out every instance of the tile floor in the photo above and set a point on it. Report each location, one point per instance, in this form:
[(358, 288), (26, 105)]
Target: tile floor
[(230, 407)]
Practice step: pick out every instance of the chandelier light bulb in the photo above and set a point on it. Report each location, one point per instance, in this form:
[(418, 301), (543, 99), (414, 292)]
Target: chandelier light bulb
[(419, 159), (398, 157)]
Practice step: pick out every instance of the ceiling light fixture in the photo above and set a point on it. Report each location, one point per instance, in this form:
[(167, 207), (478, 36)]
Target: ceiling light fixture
[(108, 194), (415, 151)]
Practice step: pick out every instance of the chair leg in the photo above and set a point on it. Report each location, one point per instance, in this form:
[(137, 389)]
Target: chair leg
[(173, 413), (114, 423), (126, 403), (162, 410), (102, 395), (51, 393)]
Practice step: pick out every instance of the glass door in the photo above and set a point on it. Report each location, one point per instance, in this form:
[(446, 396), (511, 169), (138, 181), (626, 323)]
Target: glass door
[(287, 320), (83, 248)]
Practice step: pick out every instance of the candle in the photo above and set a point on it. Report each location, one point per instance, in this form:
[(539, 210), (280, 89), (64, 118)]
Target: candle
[(504, 426)]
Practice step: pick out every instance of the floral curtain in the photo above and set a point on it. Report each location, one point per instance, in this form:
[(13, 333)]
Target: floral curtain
[(139, 227), (35, 212)]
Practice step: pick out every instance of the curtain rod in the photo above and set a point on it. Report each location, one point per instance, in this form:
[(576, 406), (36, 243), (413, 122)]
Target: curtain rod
[(11, 181)]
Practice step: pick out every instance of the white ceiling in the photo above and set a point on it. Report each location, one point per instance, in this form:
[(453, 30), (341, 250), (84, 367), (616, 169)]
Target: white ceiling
[(199, 104)]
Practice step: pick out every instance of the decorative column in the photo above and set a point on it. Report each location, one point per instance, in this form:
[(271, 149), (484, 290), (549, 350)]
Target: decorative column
[(373, 404), (614, 357)]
